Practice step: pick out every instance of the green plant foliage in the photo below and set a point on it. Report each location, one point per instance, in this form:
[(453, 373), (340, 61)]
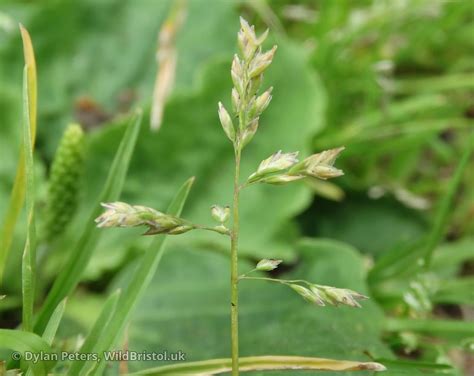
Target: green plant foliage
[(392, 81), (187, 304), (24, 341)]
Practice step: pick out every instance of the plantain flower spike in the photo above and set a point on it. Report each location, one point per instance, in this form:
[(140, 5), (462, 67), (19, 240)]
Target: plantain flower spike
[(65, 181), (121, 214)]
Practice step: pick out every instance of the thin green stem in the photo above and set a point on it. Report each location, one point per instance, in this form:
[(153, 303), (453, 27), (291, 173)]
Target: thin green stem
[(247, 273), (209, 228), (234, 272), (282, 281)]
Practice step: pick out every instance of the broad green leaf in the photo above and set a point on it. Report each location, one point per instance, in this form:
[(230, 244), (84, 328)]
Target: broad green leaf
[(110, 63), (22, 342), (80, 255), (373, 226), (187, 305)]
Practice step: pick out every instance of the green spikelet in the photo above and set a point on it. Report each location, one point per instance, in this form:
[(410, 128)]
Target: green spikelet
[(64, 181)]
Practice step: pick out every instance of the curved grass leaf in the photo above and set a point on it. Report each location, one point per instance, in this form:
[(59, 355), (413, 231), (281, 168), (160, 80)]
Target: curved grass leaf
[(263, 363), (19, 187), (24, 341), (28, 269), (450, 329), (410, 258), (95, 335), (408, 368), (54, 322), (71, 273), (444, 209), (51, 328)]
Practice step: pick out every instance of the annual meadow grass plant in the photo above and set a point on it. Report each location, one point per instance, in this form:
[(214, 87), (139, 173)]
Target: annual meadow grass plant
[(240, 126)]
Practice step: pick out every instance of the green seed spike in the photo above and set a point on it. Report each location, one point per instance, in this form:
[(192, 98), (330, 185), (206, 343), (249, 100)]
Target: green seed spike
[(64, 181)]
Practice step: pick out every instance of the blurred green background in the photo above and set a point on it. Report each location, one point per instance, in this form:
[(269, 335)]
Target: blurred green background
[(392, 81)]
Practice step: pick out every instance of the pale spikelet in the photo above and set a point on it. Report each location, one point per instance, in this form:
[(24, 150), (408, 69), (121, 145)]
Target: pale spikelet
[(320, 165), (247, 75), (277, 162), (121, 214), (267, 265), (249, 132), (226, 122), (323, 295), (281, 179), (263, 101), (219, 213), (337, 296), (261, 62), (235, 100)]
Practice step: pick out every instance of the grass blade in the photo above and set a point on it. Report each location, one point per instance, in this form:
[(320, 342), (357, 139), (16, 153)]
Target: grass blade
[(95, 335), (408, 260), (19, 186), (140, 281), (442, 214), (81, 253), (51, 328), (450, 329), (54, 321), (19, 341), (405, 367), (262, 363), (29, 253)]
